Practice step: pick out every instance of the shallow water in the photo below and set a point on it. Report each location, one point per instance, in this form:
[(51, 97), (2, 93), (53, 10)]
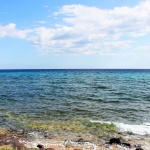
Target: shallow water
[(118, 96)]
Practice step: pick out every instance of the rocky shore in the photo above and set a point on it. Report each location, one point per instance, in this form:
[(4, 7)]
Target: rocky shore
[(20, 142)]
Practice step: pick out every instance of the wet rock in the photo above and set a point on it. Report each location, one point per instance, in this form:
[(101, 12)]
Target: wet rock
[(115, 141), (41, 147), (127, 145), (138, 147), (80, 140)]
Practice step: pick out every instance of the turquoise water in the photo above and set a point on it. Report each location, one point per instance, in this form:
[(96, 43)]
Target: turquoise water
[(121, 96)]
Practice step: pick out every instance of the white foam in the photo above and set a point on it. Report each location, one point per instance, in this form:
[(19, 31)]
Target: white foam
[(142, 129)]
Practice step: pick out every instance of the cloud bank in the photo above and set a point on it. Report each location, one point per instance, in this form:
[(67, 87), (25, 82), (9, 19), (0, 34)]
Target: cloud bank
[(88, 30)]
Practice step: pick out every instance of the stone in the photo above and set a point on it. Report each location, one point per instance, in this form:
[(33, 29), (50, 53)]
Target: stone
[(115, 141), (138, 147), (41, 147), (80, 140), (126, 145)]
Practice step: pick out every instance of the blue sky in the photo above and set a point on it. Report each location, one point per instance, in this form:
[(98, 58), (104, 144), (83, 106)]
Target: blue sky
[(74, 34)]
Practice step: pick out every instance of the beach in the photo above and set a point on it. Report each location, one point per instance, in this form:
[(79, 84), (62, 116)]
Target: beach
[(33, 141), (75, 109)]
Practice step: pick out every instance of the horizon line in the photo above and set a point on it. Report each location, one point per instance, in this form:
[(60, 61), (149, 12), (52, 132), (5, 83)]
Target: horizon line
[(78, 69)]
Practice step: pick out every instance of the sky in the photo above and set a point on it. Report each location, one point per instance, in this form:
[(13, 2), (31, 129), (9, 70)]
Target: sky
[(74, 34)]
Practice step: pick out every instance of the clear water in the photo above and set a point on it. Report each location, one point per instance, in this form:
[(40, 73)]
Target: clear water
[(106, 95)]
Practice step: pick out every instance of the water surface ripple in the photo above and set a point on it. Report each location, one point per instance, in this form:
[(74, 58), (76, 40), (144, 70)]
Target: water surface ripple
[(106, 95)]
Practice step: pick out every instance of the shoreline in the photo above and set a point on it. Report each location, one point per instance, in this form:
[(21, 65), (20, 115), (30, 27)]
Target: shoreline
[(76, 134), (70, 142)]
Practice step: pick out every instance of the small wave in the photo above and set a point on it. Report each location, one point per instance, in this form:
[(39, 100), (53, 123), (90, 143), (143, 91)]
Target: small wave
[(95, 99), (112, 101), (142, 129), (101, 87)]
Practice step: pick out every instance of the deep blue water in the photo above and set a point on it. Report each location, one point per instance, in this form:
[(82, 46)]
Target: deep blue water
[(107, 95)]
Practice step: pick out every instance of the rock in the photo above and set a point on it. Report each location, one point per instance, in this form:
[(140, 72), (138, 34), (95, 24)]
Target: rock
[(138, 147), (41, 147), (80, 140), (126, 145), (115, 141), (118, 142), (67, 143), (20, 132)]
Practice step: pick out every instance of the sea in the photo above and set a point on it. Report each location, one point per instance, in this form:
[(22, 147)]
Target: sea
[(118, 96)]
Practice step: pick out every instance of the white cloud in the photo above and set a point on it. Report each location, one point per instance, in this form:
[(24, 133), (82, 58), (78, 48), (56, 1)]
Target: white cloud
[(93, 30), (144, 48), (117, 22), (88, 30), (11, 31)]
